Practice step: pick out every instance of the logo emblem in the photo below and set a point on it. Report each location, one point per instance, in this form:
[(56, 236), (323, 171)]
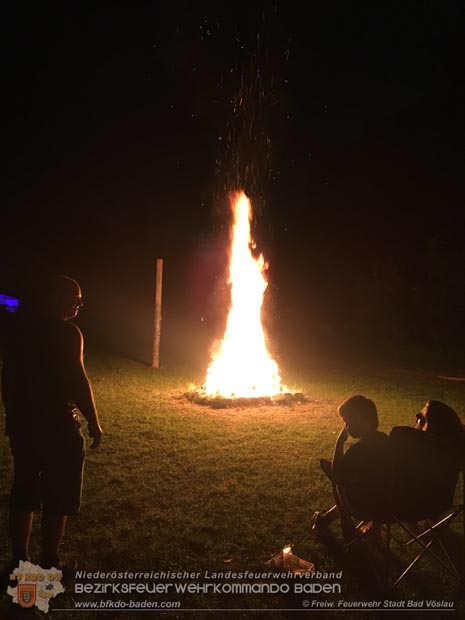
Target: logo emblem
[(27, 593), (34, 585)]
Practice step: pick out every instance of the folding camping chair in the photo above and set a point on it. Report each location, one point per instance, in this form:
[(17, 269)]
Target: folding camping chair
[(420, 487)]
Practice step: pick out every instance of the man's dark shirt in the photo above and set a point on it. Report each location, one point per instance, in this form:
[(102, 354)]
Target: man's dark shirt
[(37, 378), (364, 471)]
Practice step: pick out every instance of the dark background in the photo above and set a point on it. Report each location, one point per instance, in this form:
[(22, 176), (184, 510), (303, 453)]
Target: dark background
[(126, 123)]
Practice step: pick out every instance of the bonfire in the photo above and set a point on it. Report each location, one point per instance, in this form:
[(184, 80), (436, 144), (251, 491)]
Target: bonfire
[(242, 370), (243, 366)]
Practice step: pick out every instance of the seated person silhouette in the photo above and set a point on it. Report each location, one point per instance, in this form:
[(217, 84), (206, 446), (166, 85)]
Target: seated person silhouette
[(361, 469), (427, 463)]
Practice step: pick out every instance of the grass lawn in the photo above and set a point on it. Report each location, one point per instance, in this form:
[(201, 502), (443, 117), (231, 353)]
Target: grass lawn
[(178, 486)]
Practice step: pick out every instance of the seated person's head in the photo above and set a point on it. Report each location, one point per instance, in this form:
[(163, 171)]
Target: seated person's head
[(359, 415), (440, 419)]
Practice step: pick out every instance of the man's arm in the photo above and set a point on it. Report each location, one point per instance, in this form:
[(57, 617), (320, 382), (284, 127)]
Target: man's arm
[(80, 385), (338, 474)]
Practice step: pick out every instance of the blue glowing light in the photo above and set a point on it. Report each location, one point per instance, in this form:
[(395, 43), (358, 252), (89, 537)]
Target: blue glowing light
[(8, 304)]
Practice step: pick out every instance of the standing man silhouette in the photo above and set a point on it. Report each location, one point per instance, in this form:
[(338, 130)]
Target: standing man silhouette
[(44, 387)]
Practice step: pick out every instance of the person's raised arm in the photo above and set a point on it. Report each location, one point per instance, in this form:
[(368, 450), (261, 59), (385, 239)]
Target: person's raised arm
[(338, 454), (347, 525)]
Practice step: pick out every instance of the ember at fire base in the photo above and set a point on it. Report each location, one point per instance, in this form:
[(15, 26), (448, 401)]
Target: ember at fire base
[(200, 397)]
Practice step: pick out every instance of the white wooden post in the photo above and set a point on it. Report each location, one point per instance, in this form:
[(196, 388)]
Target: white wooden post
[(157, 315)]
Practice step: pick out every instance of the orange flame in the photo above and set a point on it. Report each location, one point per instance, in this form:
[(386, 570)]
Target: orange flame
[(243, 366)]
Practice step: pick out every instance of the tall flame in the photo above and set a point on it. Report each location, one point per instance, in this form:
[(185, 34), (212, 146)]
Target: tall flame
[(243, 366)]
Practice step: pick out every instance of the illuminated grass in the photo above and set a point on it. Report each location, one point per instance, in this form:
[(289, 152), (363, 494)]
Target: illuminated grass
[(176, 485)]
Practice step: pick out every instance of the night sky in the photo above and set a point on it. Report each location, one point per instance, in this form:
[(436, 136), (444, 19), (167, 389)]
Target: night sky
[(126, 123)]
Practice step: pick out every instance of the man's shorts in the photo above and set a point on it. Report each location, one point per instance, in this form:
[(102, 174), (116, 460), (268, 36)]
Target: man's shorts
[(48, 472)]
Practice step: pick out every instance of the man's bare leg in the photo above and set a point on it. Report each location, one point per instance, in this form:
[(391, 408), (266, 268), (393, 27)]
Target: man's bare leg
[(20, 533), (53, 529)]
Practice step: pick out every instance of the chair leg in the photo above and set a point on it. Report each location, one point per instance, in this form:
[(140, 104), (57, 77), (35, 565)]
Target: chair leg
[(432, 530), (426, 548), (437, 525), (452, 565)]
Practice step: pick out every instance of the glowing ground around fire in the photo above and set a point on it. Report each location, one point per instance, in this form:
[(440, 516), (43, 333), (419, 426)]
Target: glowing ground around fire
[(200, 397)]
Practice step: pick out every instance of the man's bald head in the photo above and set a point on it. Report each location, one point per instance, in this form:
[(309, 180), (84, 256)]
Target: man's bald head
[(57, 296)]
